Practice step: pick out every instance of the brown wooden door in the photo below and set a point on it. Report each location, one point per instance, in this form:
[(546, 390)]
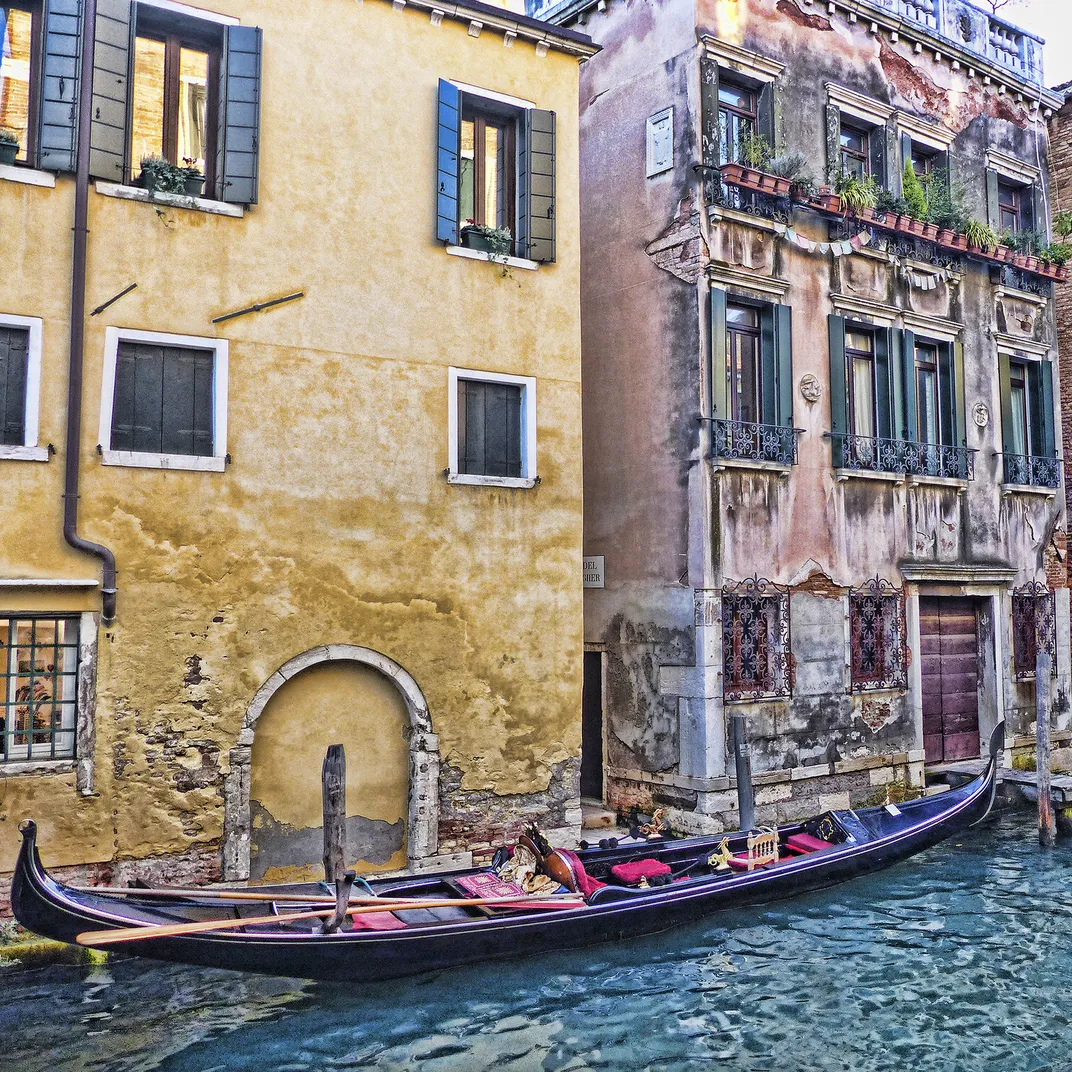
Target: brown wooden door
[(950, 656)]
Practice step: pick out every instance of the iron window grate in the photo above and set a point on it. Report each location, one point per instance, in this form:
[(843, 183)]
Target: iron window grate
[(877, 632), (39, 680), (1034, 620), (757, 662)]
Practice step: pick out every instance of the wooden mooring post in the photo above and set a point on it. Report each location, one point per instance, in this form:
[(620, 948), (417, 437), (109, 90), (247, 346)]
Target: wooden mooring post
[(1043, 669), (333, 787), (746, 800)]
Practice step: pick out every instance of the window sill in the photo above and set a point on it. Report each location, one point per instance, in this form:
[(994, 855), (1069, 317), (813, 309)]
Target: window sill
[(495, 258), (766, 698), (22, 768), (868, 474), (28, 176), (138, 460), (195, 204), (777, 468), (23, 454), (917, 479), (492, 481), (1028, 489)]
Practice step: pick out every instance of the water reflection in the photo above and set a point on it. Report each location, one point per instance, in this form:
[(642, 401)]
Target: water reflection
[(954, 961)]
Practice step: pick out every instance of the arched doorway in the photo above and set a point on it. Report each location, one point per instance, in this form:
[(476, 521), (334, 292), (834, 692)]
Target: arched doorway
[(330, 695)]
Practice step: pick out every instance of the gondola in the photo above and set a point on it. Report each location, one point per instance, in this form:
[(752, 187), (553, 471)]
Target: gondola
[(814, 854)]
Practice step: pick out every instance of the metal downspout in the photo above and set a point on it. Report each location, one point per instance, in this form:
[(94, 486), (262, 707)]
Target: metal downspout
[(78, 315)]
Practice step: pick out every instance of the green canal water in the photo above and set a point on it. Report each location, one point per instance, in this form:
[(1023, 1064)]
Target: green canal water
[(958, 960)]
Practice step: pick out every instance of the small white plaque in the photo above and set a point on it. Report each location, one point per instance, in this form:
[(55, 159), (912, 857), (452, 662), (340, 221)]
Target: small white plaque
[(594, 571), (660, 142)]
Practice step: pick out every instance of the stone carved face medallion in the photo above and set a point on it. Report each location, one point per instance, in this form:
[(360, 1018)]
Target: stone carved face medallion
[(810, 388), (980, 414)]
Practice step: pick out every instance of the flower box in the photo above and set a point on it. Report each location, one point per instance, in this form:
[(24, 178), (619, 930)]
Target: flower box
[(945, 237), (1019, 260), (930, 231), (958, 241), (910, 225), (1032, 264), (1060, 272), (828, 201), (1003, 254), (8, 151), (753, 179)]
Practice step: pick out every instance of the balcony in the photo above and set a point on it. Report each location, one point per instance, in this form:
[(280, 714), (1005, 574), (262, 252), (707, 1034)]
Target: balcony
[(1028, 471), (898, 456), (747, 441)]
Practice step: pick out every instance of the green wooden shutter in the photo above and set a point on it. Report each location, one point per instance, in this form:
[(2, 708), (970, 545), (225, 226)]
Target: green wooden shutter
[(14, 363), (1008, 446), (883, 383), (449, 146), (1045, 445), (765, 114), (237, 170), (720, 402), (784, 336), (839, 403), (947, 395), (960, 422), (148, 391), (897, 180), (186, 402), (122, 437), (709, 129), (537, 171), (58, 129), (111, 90), (768, 375), (910, 412), (1038, 209), (993, 210), (833, 142), (489, 429), (876, 147)]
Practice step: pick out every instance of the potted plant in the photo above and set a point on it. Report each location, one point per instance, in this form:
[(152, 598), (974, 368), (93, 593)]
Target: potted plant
[(791, 169), (494, 240), (981, 237), (158, 174), (827, 200), (9, 146), (193, 180), (889, 209), (919, 211), (857, 194)]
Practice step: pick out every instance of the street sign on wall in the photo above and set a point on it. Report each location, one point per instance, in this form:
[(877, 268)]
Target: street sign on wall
[(593, 571)]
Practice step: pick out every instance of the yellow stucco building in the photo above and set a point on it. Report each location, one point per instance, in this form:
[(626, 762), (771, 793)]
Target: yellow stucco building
[(350, 516)]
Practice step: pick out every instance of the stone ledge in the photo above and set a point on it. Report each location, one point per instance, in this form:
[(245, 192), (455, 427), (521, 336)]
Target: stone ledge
[(156, 197), (36, 768)]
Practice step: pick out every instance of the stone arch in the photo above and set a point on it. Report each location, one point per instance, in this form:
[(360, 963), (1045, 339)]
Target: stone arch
[(422, 832)]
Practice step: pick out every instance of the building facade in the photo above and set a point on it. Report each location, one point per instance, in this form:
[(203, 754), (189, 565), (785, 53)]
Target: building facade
[(820, 454), (331, 444)]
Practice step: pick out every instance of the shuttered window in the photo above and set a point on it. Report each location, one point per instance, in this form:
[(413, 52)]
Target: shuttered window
[(489, 428), (20, 35), (14, 371), (163, 400)]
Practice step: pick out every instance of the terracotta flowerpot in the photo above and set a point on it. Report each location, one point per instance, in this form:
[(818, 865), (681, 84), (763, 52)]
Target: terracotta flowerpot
[(930, 231), (1019, 260), (1032, 264), (914, 226), (958, 241), (946, 237), (732, 174), (830, 202), (1003, 254), (782, 186)]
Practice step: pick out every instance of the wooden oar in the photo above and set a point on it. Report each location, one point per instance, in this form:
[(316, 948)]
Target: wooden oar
[(133, 934), (229, 895)]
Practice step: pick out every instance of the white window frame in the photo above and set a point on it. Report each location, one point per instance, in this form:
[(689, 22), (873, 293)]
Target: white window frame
[(217, 462), (29, 451), (527, 384)]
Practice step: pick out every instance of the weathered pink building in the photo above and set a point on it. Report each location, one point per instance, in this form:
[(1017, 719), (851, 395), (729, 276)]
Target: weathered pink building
[(819, 445)]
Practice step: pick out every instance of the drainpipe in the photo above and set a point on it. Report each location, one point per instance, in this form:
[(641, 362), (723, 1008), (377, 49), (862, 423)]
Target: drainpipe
[(78, 316)]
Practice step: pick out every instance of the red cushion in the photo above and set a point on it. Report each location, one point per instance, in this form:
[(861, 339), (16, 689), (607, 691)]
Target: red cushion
[(633, 872), (587, 884), (807, 843), (377, 921)]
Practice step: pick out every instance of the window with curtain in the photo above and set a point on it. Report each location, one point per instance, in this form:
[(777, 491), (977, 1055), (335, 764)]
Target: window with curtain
[(860, 352), (928, 422), (487, 168), (743, 346), (20, 30)]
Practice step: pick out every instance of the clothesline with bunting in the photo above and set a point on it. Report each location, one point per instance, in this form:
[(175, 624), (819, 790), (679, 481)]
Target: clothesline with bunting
[(838, 249)]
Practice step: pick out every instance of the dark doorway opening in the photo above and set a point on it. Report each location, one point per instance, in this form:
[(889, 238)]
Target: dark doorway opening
[(592, 727), (949, 647)]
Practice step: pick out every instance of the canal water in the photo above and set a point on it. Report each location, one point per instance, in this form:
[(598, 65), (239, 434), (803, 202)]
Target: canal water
[(958, 961)]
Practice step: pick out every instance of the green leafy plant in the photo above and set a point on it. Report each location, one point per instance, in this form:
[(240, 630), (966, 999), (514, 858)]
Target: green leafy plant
[(891, 204), (914, 194), (946, 201), (160, 174), (794, 167), (499, 239), (981, 235), (1059, 253), (1029, 243), (857, 194), (8, 137), (754, 151), (1062, 223)]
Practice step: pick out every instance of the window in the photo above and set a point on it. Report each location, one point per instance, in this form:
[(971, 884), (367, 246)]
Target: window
[(756, 658), (496, 168), (1010, 208), (165, 401), (752, 379), (738, 117), (39, 678), (20, 35), (1014, 203), (176, 74), (20, 388), (855, 152), (1034, 619), (1028, 439), (492, 420), (486, 168), (877, 637), (927, 421)]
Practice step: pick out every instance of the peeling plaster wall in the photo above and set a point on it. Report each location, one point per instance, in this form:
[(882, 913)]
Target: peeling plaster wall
[(649, 485), (334, 523)]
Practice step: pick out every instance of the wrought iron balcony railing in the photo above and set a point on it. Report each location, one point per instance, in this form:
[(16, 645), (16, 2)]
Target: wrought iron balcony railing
[(749, 441), (878, 455), (1030, 471)]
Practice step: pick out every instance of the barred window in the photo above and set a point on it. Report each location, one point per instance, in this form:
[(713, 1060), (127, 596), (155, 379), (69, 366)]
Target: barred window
[(38, 672), (755, 641), (1034, 618), (877, 637)]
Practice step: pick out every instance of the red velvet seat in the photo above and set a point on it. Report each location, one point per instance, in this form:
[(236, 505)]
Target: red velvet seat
[(807, 843), (630, 874)]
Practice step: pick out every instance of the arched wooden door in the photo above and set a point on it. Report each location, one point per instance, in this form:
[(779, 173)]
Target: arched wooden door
[(333, 703)]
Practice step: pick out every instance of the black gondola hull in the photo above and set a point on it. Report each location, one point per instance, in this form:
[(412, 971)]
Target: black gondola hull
[(48, 908)]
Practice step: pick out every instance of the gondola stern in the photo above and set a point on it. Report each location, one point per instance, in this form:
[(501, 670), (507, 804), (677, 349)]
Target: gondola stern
[(31, 902)]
